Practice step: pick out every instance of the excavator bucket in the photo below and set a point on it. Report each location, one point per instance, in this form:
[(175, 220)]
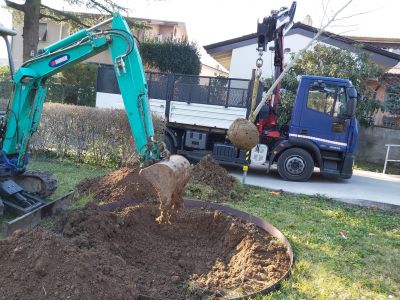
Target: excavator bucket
[(169, 178)]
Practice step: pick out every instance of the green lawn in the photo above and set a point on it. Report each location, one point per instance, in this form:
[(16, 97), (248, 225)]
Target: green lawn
[(67, 172), (366, 265)]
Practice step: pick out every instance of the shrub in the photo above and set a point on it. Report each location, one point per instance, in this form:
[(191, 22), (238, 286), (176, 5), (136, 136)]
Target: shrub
[(87, 134), (181, 57)]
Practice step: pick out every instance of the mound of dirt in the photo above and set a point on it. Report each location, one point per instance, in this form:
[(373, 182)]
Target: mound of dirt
[(43, 265), (207, 171), (125, 183), (103, 254)]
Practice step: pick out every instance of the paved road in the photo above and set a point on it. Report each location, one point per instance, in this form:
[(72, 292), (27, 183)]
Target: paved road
[(365, 188)]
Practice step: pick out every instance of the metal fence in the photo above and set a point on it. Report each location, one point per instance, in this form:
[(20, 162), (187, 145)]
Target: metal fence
[(199, 89), (56, 92)]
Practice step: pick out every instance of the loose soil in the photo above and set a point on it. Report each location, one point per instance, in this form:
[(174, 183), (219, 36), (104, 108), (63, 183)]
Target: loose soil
[(209, 181), (207, 171), (116, 249), (124, 183)]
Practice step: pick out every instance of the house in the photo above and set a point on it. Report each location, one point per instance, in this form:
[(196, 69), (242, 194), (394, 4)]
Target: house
[(388, 44), (239, 55), (51, 31), (213, 71)]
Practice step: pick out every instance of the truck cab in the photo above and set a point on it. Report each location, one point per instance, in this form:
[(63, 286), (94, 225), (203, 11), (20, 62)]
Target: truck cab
[(323, 124)]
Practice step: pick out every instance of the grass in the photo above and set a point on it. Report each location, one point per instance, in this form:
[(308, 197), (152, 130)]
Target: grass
[(366, 265), (392, 168), (68, 173)]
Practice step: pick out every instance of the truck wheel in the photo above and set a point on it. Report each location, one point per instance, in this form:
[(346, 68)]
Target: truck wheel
[(295, 164), (169, 144)]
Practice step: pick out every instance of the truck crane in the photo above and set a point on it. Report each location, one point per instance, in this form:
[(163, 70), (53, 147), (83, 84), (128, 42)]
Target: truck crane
[(22, 117), (323, 129)]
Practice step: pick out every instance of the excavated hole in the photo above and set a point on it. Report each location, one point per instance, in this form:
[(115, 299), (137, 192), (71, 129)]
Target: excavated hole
[(201, 253)]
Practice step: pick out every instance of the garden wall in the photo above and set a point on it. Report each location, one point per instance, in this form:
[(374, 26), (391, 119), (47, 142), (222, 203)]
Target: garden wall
[(372, 141)]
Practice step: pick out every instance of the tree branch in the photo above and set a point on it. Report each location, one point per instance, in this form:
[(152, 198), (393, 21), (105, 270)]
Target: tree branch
[(42, 15), (68, 16), (103, 7)]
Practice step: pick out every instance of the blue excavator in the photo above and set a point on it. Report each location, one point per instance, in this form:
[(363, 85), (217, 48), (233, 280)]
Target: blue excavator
[(20, 190)]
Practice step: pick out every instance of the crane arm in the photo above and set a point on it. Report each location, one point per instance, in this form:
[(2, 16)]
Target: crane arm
[(25, 108), (273, 28)]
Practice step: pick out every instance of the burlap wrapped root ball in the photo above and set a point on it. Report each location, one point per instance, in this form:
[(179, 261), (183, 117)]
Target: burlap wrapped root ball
[(243, 134)]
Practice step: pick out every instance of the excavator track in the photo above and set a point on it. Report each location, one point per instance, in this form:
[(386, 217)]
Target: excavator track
[(42, 184)]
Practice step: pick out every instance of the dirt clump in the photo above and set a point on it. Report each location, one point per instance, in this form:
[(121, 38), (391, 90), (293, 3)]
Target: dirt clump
[(124, 183), (209, 172), (210, 181), (115, 248), (102, 253)]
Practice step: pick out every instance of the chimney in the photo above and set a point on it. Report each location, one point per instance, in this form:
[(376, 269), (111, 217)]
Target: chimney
[(307, 20)]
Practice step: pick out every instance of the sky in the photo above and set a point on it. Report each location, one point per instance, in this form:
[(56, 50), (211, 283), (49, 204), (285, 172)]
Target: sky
[(211, 21)]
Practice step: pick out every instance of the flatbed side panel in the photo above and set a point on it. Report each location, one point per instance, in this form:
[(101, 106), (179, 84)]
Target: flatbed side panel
[(204, 115), (108, 100)]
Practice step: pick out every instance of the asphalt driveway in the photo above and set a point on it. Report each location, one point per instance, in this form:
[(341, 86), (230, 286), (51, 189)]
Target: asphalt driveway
[(364, 188)]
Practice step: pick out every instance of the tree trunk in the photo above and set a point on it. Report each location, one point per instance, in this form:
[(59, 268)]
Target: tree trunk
[(31, 28)]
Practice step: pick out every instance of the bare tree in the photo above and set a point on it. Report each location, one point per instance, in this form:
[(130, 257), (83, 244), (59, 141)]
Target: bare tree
[(34, 10)]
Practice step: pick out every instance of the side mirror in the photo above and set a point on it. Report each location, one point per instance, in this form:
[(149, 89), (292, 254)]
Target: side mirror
[(351, 107), (351, 103)]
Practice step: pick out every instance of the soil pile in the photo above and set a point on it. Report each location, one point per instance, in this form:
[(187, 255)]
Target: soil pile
[(103, 254), (125, 183), (207, 171), (43, 265), (210, 181)]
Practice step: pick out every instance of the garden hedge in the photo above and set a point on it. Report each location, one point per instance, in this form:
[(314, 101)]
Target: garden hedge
[(87, 134)]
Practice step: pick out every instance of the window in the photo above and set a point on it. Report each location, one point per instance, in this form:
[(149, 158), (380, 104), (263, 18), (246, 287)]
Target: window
[(327, 98), (42, 31), (107, 81)]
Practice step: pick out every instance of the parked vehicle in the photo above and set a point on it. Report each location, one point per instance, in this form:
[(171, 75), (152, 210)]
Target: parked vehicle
[(198, 111)]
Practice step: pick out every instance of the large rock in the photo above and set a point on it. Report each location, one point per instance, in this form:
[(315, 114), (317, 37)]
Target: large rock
[(243, 134)]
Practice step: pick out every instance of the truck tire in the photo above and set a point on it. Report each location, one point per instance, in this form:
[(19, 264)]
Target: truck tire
[(169, 144), (295, 164)]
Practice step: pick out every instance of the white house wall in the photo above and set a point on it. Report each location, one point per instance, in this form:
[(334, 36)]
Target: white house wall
[(244, 58)]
